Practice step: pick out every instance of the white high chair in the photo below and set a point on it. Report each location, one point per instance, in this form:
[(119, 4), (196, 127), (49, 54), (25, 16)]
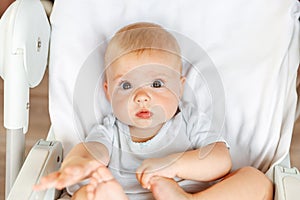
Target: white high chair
[(250, 54)]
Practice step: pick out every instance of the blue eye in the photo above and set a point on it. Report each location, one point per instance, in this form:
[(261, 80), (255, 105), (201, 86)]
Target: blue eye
[(125, 85), (157, 83)]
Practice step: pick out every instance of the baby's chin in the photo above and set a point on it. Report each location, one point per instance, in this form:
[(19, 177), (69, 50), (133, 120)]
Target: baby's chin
[(146, 124)]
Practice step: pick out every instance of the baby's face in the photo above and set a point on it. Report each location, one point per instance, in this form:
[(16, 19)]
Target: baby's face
[(144, 89)]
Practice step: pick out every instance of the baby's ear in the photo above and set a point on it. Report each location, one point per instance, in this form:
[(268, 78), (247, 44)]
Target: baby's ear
[(105, 87)]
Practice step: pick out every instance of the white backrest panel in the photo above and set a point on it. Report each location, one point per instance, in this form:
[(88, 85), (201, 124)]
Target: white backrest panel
[(251, 46)]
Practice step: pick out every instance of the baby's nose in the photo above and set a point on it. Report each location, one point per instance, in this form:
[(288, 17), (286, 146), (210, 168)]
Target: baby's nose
[(141, 97)]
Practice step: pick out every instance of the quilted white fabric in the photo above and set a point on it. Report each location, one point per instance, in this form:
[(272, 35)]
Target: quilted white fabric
[(247, 53)]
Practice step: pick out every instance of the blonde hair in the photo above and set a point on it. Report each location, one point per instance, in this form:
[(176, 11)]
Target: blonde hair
[(139, 37)]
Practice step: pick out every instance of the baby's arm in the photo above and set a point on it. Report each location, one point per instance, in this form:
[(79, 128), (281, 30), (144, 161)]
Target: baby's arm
[(205, 164), (81, 161)]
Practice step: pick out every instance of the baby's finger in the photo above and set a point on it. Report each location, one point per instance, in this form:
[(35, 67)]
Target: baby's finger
[(102, 173), (139, 173), (90, 190), (65, 180), (47, 182), (143, 177), (70, 176), (145, 181)]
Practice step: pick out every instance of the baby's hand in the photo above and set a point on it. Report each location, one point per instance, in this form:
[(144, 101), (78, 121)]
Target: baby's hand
[(165, 167), (72, 171), (103, 186)]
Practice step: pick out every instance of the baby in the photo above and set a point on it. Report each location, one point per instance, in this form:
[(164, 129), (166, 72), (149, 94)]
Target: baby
[(153, 145)]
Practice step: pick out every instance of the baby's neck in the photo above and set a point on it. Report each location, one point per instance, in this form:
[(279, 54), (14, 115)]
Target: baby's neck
[(143, 134)]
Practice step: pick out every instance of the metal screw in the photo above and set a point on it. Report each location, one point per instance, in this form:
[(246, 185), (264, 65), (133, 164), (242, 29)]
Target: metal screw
[(39, 44)]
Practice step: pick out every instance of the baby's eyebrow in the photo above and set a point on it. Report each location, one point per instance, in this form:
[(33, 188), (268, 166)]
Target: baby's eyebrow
[(151, 76), (117, 77)]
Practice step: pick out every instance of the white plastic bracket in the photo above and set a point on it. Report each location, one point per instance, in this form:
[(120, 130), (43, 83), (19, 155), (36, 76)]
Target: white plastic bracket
[(24, 42), (287, 183), (45, 157)]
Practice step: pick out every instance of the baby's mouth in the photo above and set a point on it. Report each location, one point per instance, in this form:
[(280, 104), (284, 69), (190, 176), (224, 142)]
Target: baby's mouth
[(144, 114)]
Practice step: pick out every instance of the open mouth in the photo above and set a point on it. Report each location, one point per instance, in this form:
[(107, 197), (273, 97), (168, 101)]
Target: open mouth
[(144, 114)]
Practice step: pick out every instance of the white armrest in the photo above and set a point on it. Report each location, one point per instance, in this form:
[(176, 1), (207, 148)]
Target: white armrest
[(44, 158), (287, 183)]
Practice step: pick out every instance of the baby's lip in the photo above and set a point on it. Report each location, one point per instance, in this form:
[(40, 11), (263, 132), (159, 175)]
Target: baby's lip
[(144, 114)]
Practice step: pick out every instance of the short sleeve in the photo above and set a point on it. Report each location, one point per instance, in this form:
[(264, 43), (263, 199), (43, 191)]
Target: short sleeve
[(200, 130), (103, 133)]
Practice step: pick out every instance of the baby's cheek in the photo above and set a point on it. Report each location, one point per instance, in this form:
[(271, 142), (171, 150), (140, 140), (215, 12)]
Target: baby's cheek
[(121, 108), (170, 102)]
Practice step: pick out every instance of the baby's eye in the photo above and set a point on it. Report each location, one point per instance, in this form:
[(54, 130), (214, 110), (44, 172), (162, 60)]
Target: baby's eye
[(125, 85), (157, 83)]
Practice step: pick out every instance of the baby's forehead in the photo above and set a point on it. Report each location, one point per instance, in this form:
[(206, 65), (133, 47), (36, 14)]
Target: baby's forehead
[(147, 61), (144, 71)]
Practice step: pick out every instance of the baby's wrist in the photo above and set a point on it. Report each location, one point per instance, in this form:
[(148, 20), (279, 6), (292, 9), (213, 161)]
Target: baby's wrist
[(174, 163)]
